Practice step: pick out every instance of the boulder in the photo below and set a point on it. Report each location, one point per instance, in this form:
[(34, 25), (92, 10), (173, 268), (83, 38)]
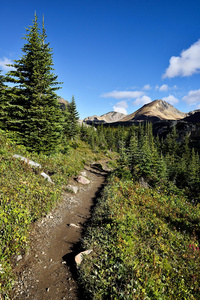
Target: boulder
[(83, 180), (79, 257), (72, 188), (28, 161), (47, 177), (83, 174)]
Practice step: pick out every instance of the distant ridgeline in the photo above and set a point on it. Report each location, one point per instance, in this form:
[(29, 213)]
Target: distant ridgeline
[(163, 117), (157, 110)]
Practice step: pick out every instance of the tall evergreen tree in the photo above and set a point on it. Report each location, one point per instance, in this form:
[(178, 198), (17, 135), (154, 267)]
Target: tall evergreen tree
[(71, 121), (34, 108), (171, 144), (133, 154)]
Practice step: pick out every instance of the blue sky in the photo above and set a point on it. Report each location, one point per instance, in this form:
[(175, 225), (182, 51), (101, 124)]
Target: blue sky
[(114, 55)]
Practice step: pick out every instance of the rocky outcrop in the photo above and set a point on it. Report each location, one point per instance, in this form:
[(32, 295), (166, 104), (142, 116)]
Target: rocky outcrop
[(46, 177), (156, 110), (28, 161), (33, 164), (110, 117)]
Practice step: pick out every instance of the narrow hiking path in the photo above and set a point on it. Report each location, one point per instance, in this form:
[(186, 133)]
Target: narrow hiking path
[(47, 270)]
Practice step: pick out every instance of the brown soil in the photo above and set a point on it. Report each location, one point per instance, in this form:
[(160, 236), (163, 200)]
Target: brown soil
[(48, 270)]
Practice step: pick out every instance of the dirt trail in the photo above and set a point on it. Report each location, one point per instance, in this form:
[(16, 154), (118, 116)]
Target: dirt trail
[(47, 270)]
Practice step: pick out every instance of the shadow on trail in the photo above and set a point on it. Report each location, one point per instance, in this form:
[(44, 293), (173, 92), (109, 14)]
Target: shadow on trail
[(77, 247), (98, 170)]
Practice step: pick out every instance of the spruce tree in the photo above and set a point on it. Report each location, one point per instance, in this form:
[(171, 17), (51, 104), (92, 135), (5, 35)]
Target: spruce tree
[(34, 108), (110, 138), (71, 122), (133, 154), (171, 145), (102, 143)]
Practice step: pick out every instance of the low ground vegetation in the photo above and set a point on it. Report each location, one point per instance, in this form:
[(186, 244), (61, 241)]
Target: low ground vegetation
[(25, 196), (145, 237), (145, 245), (145, 229)]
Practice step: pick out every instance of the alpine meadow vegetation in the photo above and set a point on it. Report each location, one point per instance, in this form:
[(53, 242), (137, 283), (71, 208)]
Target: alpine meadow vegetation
[(145, 245), (25, 196)]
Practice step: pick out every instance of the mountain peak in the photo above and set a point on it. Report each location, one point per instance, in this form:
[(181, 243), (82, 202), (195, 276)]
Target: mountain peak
[(155, 111), (109, 117)]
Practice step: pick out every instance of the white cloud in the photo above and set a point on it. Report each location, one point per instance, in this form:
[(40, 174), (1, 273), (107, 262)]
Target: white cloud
[(164, 88), (147, 87), (4, 62), (171, 99), (120, 110), (121, 107), (187, 64), (193, 97), (123, 94), (142, 100)]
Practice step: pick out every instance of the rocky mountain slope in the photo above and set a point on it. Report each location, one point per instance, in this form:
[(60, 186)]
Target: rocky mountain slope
[(155, 111), (63, 103), (106, 118)]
